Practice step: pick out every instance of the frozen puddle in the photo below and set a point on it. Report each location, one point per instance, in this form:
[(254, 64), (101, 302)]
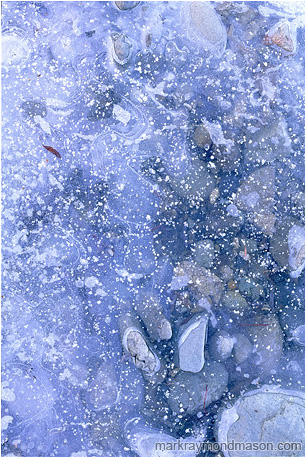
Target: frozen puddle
[(153, 231)]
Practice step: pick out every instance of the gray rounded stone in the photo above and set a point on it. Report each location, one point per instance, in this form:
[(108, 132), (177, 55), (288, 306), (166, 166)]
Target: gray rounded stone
[(124, 6), (242, 348), (204, 253), (269, 415), (220, 346), (265, 333), (188, 391), (234, 301), (202, 138), (204, 27)]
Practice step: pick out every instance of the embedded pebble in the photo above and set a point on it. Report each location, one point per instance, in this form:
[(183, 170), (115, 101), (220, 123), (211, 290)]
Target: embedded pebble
[(205, 27), (151, 313), (265, 333), (242, 348), (234, 301), (187, 392), (103, 391), (220, 346), (124, 6), (122, 48), (256, 196), (202, 138), (204, 253)]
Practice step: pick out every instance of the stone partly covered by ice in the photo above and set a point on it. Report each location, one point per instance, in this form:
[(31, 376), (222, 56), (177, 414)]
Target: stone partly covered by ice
[(151, 313), (282, 37), (265, 333), (298, 335), (5, 421), (201, 137), (296, 244), (268, 144), (221, 345), (191, 343), (198, 278), (179, 282), (268, 415), (146, 440), (234, 301), (103, 391), (232, 210), (121, 114), (204, 253), (204, 27), (242, 348), (256, 196), (288, 246), (15, 50), (91, 282), (196, 184), (121, 48)]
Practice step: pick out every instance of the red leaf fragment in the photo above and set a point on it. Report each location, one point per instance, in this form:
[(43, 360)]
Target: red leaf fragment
[(53, 151)]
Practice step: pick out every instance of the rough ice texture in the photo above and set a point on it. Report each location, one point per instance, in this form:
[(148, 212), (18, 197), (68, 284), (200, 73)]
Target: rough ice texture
[(149, 150)]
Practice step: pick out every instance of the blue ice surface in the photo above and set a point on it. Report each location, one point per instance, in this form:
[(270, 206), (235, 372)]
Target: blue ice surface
[(81, 233)]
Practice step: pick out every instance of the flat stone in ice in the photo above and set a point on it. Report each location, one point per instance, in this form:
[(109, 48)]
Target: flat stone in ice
[(191, 343)]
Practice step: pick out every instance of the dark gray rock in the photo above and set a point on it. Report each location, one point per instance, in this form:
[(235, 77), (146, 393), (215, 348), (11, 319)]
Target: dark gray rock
[(265, 333), (201, 137), (186, 394), (204, 252), (124, 6), (34, 108), (242, 348), (234, 301)]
